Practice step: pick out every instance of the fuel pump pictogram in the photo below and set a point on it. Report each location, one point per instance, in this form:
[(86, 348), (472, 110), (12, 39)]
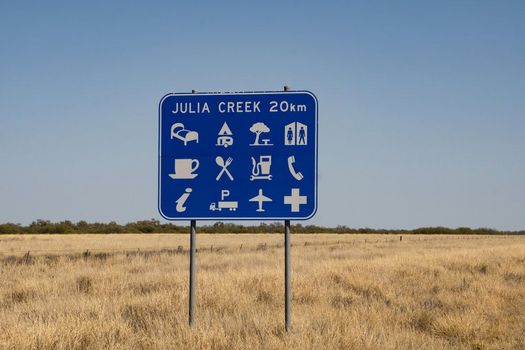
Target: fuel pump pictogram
[(261, 168)]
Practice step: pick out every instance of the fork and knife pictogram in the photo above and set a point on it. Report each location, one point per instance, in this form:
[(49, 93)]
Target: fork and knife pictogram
[(224, 165)]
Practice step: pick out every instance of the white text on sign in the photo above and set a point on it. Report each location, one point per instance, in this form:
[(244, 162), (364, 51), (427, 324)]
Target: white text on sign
[(237, 107)]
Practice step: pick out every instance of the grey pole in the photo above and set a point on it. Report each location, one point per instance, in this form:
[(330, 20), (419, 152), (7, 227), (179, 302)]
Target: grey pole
[(287, 277), (193, 234), (287, 272)]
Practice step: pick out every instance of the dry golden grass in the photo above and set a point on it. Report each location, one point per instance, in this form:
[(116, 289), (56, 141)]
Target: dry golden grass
[(349, 292)]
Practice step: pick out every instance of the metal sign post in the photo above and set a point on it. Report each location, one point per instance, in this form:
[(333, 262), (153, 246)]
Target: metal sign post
[(193, 248), (193, 234), (287, 273), (287, 277)]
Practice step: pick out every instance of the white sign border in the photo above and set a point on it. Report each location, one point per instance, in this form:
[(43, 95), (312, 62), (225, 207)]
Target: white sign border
[(207, 218)]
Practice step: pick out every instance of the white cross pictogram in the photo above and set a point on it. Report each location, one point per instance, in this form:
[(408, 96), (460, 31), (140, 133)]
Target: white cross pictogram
[(295, 200)]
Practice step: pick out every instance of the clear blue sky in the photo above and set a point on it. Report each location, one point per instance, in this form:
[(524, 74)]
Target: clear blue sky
[(422, 103)]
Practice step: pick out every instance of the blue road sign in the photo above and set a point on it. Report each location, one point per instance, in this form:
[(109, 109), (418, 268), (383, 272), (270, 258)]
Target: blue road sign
[(250, 155)]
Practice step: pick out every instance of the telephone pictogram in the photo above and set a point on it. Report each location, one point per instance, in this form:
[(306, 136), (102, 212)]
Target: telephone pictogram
[(296, 174)]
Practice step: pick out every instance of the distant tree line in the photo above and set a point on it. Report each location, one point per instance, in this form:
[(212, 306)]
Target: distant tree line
[(155, 226)]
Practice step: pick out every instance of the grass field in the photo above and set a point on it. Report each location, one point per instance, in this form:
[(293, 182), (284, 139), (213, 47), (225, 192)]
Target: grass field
[(349, 292)]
